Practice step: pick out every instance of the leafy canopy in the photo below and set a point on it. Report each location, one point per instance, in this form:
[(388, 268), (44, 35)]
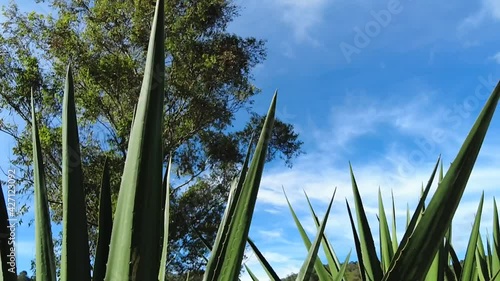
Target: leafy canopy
[(209, 79)]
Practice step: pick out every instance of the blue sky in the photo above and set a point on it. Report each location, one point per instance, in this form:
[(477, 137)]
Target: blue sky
[(387, 85)]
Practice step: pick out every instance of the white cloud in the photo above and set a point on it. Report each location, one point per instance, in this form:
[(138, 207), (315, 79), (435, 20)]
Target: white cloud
[(418, 127), (273, 257), (494, 7), (302, 16), (273, 210), (489, 10), (321, 170), (319, 181), (361, 114), (496, 57), (271, 234)]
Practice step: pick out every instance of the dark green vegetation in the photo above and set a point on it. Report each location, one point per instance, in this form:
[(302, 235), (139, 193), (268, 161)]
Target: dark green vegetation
[(23, 276), (133, 239), (209, 79)]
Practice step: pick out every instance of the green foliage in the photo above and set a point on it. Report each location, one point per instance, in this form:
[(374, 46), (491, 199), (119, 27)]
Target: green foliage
[(425, 251), (105, 227), (310, 262), (227, 254), (134, 253), (75, 262), (45, 261), (140, 224), (137, 222), (209, 74)]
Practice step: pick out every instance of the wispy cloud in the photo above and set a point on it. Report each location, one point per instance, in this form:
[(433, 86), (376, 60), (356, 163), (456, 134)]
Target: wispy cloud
[(489, 10), (363, 114), (496, 57), (494, 8), (302, 16), (271, 234), (318, 173)]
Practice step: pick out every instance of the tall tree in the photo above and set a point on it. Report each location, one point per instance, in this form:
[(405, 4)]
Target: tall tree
[(209, 79)]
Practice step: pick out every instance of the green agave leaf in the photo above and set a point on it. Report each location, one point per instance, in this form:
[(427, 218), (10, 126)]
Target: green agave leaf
[(75, 261), (437, 269), (214, 264), (444, 260), (385, 236), (450, 276), (440, 263), (341, 274), (394, 229), (265, 264), (452, 273), (469, 262), (133, 117), (9, 270), (134, 250), (225, 262), (163, 202), (422, 194), (318, 265), (307, 267), (475, 275), (45, 262), (420, 207), (495, 275), (422, 199), (407, 217), (357, 243), (333, 262), (457, 266), (482, 264), (411, 261), (489, 256), (443, 256), (254, 278), (417, 215), (496, 242), (448, 245), (105, 226), (368, 252), (441, 174), (433, 271), (166, 222)]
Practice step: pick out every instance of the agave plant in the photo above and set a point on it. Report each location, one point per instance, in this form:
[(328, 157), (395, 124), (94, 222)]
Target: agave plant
[(427, 229), (128, 245), (425, 250)]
